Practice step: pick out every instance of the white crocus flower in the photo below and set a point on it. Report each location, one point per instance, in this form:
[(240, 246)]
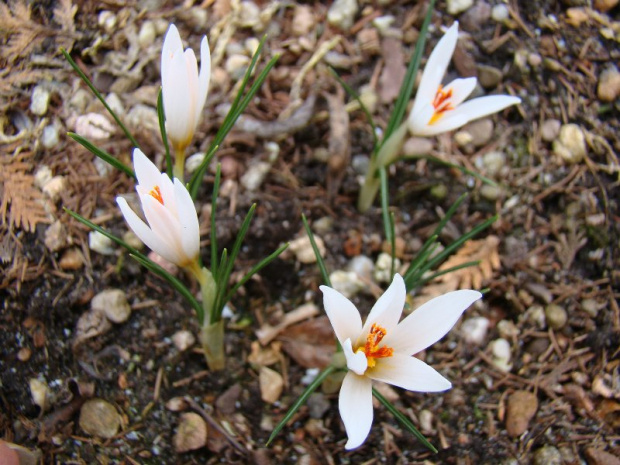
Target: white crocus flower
[(184, 89), (172, 230), (381, 349), (438, 108)]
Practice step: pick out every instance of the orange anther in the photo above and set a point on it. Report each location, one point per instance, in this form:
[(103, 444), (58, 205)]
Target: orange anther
[(156, 194)]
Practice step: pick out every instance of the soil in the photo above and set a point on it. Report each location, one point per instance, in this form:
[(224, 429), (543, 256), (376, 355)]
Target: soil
[(556, 235)]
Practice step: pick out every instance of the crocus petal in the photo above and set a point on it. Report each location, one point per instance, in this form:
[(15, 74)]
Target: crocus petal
[(177, 101), (356, 361), (483, 106), (342, 314), (146, 235), (430, 322), (147, 174), (188, 218), (408, 373), (167, 228), (204, 77), (387, 310), (355, 405), (461, 89), (435, 69), (448, 122), (172, 46)]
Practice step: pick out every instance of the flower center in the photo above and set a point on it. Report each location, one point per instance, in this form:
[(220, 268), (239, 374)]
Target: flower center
[(441, 103), (371, 349), (156, 194)]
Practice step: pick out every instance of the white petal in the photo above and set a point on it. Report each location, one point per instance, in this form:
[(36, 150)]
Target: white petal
[(408, 373), (178, 100), (172, 46), (355, 405), (418, 121), (146, 235), (435, 69), (147, 174), (430, 322), (448, 122), (387, 310), (483, 106), (342, 314), (205, 75), (167, 228), (189, 220), (461, 89), (356, 361)]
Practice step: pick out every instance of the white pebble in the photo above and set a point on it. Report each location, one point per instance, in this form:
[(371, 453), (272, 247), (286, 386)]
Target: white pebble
[(49, 137), (342, 13), (500, 13), (100, 243), (500, 350), (474, 330), (456, 7), (40, 100), (347, 283)]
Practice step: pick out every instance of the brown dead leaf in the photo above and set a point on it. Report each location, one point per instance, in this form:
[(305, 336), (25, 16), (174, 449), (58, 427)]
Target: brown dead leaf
[(311, 343), (339, 145), (394, 70)]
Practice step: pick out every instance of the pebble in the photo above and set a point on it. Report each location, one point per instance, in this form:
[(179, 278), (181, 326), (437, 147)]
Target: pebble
[(236, 66), (481, 131), (107, 21), (493, 162), (463, 138), (318, 405), (547, 455), (439, 191), (99, 418), (456, 7), (39, 100), (147, 34), (271, 385), (608, 88), (601, 457), (39, 391), (605, 5), (113, 304), (426, 421), (362, 266), (550, 130), (500, 351), (360, 164), (72, 259), (342, 14), (477, 16), (130, 238), (55, 237), (49, 136), (99, 243), (302, 248), (183, 340), (490, 192), (571, 144), (416, 146), (591, 307), (507, 329), (249, 15), (489, 77), (521, 408), (144, 117), (347, 283), (303, 20), (93, 126), (383, 268), (556, 316), (191, 433), (255, 175), (536, 315), (193, 162), (500, 13), (474, 330), (54, 187), (42, 176), (115, 103)]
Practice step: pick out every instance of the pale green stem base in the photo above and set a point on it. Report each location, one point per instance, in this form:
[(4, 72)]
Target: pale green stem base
[(178, 170), (212, 340)]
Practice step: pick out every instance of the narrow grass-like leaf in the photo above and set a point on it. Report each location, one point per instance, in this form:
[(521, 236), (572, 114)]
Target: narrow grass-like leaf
[(300, 401), (101, 98), (319, 260), (162, 129), (213, 232), (411, 274), (145, 261), (462, 169), (255, 269), (406, 422), (388, 218), (429, 278), (400, 106), (105, 156), (363, 107)]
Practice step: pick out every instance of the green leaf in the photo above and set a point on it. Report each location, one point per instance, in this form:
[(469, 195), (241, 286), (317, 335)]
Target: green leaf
[(406, 422), (146, 262), (300, 401), (388, 218), (101, 98), (319, 260), (105, 156), (213, 232), (162, 129)]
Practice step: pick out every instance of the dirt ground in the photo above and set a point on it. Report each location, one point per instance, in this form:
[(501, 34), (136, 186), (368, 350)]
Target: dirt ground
[(535, 365)]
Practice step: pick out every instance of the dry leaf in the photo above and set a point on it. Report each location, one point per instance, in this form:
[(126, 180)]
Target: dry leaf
[(311, 343), (394, 71)]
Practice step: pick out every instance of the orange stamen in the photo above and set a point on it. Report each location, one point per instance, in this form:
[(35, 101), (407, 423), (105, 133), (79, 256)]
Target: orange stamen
[(372, 349), (441, 103), (156, 194)]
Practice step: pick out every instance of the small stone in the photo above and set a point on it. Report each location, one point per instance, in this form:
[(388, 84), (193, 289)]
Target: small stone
[(439, 191), (556, 316), (348, 283), (302, 248), (55, 237), (426, 421), (489, 77), (521, 408), (191, 433), (115, 103), (500, 351), (100, 243), (42, 176), (604, 5), (362, 266), (113, 304), (176, 404), (71, 259), (547, 455), (463, 138), (99, 418), (342, 14), (249, 15), (147, 34), (383, 268), (490, 192), (89, 325), (550, 130), (318, 405), (183, 340), (236, 66), (39, 393), (601, 457), (571, 144), (591, 307), (536, 315), (107, 21), (507, 329), (477, 16), (54, 187), (39, 100), (94, 126), (417, 146), (271, 384), (143, 117), (131, 239), (474, 330), (255, 175), (49, 136), (303, 20), (481, 131), (494, 161), (24, 354), (500, 13), (456, 7), (608, 88)]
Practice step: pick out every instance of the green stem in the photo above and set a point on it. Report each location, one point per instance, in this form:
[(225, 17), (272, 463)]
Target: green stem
[(179, 164)]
